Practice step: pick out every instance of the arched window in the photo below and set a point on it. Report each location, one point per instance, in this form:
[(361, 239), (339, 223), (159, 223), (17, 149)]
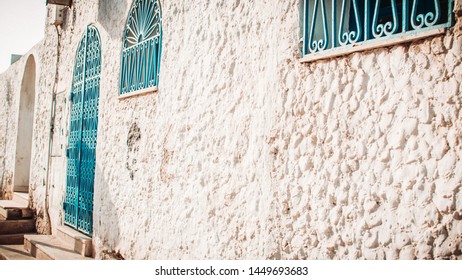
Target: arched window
[(142, 47)]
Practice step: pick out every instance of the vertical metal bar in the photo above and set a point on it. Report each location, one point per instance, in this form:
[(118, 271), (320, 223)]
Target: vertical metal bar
[(334, 24), (325, 25), (414, 14), (395, 18), (159, 53), (366, 19), (305, 27), (145, 62), (358, 23), (405, 16), (313, 22), (122, 73), (341, 34), (437, 14), (450, 13), (155, 59)]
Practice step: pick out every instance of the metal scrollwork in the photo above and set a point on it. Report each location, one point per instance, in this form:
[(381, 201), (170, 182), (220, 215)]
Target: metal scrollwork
[(424, 20), (321, 44), (387, 28), (350, 36), (144, 22), (141, 47)]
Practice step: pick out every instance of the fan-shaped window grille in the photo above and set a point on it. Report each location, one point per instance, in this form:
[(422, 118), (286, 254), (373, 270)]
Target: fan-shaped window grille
[(142, 47)]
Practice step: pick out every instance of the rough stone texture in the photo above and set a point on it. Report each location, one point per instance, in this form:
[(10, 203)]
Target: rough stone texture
[(10, 88), (246, 153)]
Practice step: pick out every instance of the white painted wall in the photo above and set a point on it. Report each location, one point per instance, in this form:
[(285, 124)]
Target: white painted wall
[(246, 153)]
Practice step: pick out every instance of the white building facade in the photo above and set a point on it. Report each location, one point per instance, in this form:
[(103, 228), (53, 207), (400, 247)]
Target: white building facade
[(225, 136)]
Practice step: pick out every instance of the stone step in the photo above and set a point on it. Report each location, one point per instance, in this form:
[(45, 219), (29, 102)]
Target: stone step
[(21, 197), (14, 252), (24, 189), (12, 239), (48, 247), (14, 210), (80, 243), (17, 226)]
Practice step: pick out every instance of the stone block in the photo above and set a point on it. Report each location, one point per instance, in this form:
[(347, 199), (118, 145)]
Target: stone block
[(427, 217), (437, 46), (424, 112), (447, 164), (444, 204), (384, 236), (407, 253), (439, 148), (371, 240), (401, 239)]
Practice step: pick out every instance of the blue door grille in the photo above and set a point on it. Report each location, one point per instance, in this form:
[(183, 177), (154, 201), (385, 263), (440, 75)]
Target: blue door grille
[(83, 129)]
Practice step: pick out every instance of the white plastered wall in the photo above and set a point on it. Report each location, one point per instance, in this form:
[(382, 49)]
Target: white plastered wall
[(246, 153)]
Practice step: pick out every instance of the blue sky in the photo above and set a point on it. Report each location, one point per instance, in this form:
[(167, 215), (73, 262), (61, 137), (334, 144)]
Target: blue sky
[(23, 25)]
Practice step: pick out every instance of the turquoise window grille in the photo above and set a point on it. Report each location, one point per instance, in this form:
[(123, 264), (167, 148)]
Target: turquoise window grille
[(142, 47), (334, 24)]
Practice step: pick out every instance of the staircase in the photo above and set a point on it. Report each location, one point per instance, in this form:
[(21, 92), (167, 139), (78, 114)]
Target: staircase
[(16, 219), (18, 240), (68, 244)]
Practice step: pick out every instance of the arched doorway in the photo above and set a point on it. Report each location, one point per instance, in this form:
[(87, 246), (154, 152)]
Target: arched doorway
[(25, 128), (83, 130)]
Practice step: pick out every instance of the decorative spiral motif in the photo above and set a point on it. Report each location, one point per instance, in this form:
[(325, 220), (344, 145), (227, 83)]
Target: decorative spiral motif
[(387, 28), (321, 44), (330, 24), (143, 23), (424, 20), (349, 37)]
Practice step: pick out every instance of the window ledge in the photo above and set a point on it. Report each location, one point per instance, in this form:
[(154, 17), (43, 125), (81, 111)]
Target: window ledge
[(371, 44), (140, 92)]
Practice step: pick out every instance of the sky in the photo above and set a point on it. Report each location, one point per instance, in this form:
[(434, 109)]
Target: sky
[(23, 24)]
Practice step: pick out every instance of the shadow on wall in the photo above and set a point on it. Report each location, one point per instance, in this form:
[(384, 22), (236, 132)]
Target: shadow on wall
[(105, 217), (109, 14)]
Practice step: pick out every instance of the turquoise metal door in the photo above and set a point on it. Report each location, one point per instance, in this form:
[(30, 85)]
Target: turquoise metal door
[(81, 157)]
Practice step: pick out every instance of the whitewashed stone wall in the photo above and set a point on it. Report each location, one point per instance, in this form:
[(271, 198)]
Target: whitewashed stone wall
[(246, 153), (10, 90)]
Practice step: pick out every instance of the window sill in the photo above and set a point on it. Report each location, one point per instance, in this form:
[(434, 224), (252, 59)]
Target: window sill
[(140, 92), (371, 44)]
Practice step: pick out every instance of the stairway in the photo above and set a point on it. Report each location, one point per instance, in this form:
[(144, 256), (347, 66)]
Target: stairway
[(16, 219), (18, 240), (67, 244)]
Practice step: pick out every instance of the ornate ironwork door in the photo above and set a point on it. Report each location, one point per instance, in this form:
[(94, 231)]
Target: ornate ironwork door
[(81, 157)]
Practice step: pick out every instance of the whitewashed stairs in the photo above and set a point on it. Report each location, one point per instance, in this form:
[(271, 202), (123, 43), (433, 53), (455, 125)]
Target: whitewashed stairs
[(18, 240), (16, 219), (67, 244)]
